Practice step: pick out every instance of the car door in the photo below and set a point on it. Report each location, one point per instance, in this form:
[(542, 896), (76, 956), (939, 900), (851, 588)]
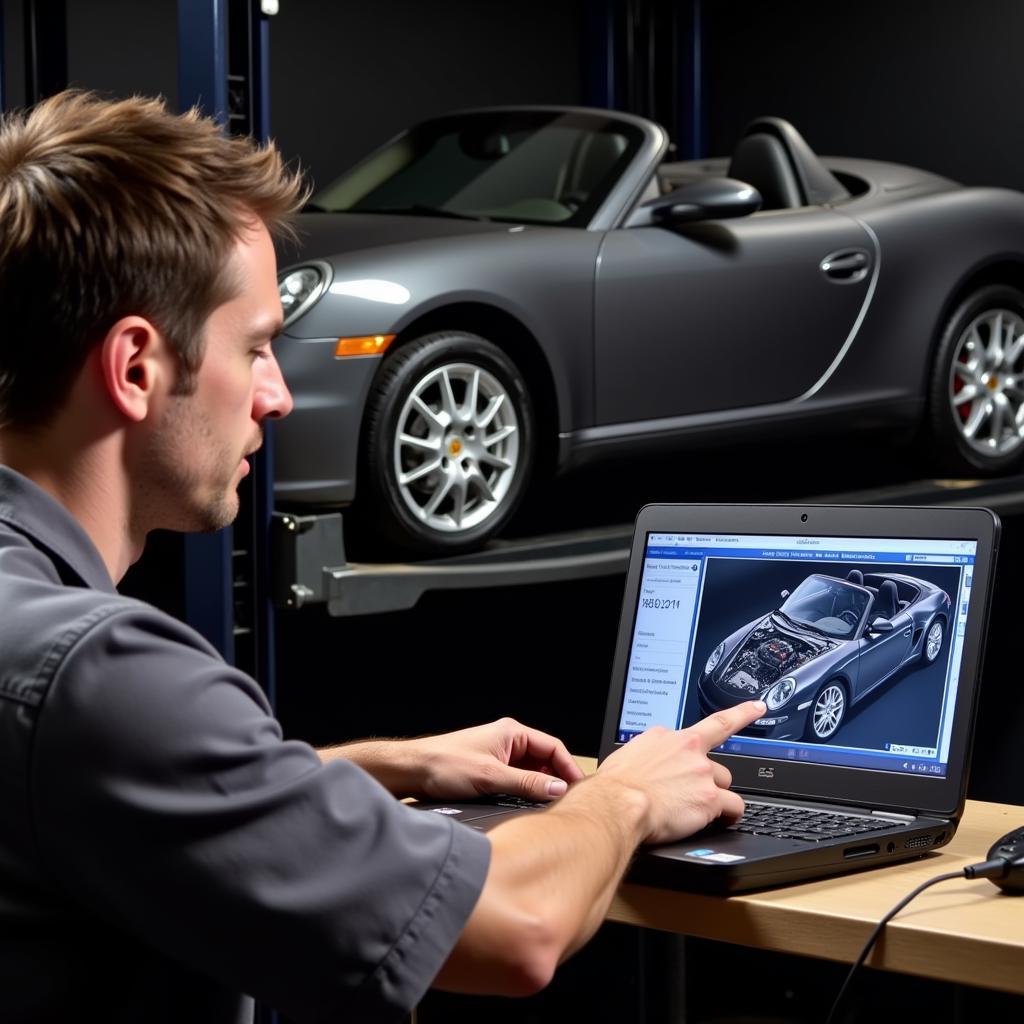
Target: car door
[(724, 314), (883, 653)]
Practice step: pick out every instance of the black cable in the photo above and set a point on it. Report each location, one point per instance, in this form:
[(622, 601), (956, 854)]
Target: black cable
[(998, 867), (885, 920)]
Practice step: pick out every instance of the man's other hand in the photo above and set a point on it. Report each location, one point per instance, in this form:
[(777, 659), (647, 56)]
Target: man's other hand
[(501, 757)]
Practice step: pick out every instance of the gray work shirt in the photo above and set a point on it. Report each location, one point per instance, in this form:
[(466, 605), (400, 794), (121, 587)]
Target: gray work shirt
[(162, 848)]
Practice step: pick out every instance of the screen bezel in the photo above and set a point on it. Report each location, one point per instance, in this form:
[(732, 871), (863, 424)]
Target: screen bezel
[(859, 786)]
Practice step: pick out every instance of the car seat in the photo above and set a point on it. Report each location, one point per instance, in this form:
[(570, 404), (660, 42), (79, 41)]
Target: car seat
[(761, 160), (887, 602), (774, 158), (856, 576)]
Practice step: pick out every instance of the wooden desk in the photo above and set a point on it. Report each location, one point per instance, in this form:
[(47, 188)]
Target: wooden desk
[(961, 931)]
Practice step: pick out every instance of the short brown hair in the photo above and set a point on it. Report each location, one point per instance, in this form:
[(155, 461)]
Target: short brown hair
[(113, 208)]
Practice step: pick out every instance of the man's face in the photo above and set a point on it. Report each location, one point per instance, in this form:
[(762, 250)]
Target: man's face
[(196, 455)]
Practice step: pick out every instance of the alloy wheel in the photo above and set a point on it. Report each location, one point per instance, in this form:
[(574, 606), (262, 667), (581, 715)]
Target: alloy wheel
[(828, 711), (933, 642), (986, 383), (456, 447)]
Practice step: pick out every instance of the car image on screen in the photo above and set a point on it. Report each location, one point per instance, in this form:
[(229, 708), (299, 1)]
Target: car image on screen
[(829, 644)]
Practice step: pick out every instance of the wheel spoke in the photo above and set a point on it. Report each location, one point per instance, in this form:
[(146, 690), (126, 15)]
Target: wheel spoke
[(966, 394), (419, 472), (472, 396), (980, 413), (448, 396), (995, 340), (439, 495), (998, 418), (495, 460), (429, 444), (458, 494), (499, 435), (432, 416), (1013, 353), (479, 481), (491, 411)]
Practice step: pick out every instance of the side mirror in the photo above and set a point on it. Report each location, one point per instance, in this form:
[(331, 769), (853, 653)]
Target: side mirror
[(881, 625), (783, 594), (709, 199)]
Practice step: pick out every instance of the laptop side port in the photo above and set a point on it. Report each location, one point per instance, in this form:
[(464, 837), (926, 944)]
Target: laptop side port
[(852, 852)]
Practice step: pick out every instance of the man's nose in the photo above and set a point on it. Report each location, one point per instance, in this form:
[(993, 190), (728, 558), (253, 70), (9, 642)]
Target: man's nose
[(272, 399)]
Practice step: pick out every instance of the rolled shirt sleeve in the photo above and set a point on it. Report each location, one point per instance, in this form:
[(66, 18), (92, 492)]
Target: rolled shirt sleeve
[(166, 802)]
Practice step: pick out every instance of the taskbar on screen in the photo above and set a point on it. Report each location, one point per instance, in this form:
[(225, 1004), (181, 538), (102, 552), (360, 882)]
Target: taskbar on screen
[(842, 758)]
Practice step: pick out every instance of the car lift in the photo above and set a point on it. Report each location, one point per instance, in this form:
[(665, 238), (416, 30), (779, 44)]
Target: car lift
[(309, 565)]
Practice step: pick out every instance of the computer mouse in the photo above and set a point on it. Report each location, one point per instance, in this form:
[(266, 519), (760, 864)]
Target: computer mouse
[(1010, 848)]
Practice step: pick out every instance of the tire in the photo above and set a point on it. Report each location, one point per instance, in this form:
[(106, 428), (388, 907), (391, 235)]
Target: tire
[(977, 384), (932, 646), (827, 713), (467, 456)]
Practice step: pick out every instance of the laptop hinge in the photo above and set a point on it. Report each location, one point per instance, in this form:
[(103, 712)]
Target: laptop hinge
[(889, 816)]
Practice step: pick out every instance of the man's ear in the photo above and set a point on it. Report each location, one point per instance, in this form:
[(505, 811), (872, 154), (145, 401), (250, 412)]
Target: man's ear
[(133, 364)]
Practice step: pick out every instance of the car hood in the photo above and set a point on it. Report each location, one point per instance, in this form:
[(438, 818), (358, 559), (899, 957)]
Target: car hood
[(322, 235), (768, 652)]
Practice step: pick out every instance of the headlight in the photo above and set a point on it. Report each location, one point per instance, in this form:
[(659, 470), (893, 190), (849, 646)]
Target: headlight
[(300, 287), (716, 657), (780, 693)]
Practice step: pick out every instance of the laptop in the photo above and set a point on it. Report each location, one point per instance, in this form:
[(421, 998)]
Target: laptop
[(861, 627)]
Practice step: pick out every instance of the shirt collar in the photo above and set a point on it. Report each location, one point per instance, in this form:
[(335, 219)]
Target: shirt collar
[(48, 524)]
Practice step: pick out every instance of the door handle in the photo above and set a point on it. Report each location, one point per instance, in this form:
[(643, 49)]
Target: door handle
[(907, 632), (847, 266)]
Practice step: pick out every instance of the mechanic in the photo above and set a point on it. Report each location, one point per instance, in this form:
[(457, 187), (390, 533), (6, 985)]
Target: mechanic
[(162, 848)]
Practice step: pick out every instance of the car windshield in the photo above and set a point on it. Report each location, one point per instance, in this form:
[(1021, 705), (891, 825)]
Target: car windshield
[(535, 167), (830, 606)]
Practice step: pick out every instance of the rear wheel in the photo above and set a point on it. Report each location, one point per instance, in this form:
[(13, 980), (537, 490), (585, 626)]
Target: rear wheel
[(976, 395), (448, 444), (933, 640)]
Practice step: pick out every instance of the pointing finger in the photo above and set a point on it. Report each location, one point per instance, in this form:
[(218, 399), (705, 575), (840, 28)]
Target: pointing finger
[(717, 728)]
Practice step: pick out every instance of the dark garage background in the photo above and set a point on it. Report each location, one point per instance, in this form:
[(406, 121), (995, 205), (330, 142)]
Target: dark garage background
[(927, 82)]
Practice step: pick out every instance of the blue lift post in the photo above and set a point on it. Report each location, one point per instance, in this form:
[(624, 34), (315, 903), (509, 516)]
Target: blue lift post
[(690, 75), (645, 57)]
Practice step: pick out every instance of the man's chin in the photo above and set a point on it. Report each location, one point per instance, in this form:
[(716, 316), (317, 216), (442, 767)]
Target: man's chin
[(216, 516)]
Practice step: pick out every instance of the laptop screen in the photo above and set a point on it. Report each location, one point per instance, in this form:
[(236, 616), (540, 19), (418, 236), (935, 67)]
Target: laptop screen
[(854, 643)]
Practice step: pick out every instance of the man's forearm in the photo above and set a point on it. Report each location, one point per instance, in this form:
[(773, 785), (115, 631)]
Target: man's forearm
[(552, 878), (390, 761)]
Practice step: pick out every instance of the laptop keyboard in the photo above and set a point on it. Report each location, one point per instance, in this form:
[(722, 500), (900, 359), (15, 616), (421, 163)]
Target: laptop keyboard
[(805, 823)]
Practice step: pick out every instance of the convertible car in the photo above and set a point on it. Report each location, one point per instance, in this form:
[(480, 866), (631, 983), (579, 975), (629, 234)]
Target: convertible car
[(503, 293), (829, 644)]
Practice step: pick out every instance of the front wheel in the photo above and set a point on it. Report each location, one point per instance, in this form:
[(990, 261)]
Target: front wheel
[(976, 396), (827, 712), (448, 444)]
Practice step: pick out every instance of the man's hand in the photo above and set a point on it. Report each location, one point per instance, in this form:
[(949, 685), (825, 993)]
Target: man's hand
[(685, 789), (502, 757)]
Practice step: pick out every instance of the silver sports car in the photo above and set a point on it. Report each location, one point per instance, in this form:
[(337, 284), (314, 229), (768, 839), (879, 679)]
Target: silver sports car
[(830, 643), (503, 293)]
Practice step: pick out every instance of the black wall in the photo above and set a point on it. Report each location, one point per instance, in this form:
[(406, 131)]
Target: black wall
[(928, 82), (346, 77)]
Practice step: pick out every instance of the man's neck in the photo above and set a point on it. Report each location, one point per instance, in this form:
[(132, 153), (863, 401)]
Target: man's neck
[(84, 475)]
